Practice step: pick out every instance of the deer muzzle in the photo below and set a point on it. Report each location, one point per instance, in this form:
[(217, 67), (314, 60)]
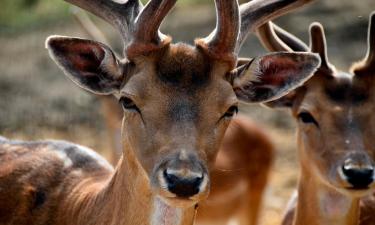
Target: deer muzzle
[(182, 177), (358, 171)]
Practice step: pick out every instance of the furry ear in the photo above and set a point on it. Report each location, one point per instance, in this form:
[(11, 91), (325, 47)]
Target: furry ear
[(272, 76), (284, 102), (91, 65)]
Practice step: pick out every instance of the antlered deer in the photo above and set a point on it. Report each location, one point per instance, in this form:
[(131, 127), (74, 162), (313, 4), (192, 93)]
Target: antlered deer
[(336, 129), (178, 101), (244, 158)]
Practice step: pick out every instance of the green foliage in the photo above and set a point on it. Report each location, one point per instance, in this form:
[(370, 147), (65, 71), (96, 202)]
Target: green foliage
[(19, 14)]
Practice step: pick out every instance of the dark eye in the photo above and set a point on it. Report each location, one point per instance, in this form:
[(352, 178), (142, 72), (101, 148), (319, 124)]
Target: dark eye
[(306, 117), (231, 112), (128, 104)]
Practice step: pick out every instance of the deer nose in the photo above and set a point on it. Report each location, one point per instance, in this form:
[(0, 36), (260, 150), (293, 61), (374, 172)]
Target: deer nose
[(358, 175), (184, 184)]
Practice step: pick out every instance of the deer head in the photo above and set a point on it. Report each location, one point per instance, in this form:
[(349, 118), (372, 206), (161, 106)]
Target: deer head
[(334, 112), (178, 99)]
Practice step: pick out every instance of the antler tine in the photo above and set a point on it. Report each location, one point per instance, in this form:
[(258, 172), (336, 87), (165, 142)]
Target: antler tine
[(146, 36), (370, 58), (274, 38), (318, 44), (119, 15), (290, 40), (257, 12), (368, 63), (147, 25), (88, 26), (222, 41), (270, 40)]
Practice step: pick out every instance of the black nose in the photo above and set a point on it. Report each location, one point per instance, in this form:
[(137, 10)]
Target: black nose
[(359, 177), (183, 186)]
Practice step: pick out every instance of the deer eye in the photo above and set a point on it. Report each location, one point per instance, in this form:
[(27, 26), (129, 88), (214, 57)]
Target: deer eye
[(306, 117), (231, 112), (128, 104)]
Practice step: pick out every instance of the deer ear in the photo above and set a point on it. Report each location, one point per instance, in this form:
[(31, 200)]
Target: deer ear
[(272, 76), (91, 65), (284, 102)]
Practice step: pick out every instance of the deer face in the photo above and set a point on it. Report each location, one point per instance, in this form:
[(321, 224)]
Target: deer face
[(178, 99), (177, 107), (335, 123), (335, 130)]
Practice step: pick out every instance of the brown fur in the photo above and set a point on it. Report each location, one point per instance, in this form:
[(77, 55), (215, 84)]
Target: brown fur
[(171, 131), (39, 177), (239, 176), (325, 152), (222, 56), (104, 197), (341, 129)]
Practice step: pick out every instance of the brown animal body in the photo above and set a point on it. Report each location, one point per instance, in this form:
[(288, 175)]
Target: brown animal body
[(178, 101), (336, 130), (38, 180)]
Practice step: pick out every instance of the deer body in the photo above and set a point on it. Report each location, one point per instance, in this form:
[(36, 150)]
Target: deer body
[(177, 99), (335, 134), (77, 187)]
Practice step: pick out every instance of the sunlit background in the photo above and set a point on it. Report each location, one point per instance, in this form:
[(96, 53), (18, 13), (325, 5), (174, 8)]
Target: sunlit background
[(37, 101)]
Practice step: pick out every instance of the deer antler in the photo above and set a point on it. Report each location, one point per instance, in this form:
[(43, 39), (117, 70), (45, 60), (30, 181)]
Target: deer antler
[(274, 38), (222, 41), (146, 36), (368, 63), (138, 25), (119, 15), (257, 12), (318, 44), (88, 26), (148, 22), (370, 58)]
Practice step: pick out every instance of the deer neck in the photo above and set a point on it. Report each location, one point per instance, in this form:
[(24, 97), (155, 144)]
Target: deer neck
[(319, 204), (127, 199)]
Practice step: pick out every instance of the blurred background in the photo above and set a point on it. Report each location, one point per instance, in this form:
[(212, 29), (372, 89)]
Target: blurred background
[(38, 102)]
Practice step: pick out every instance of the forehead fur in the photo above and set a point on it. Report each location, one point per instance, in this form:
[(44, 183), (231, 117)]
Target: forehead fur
[(344, 88), (183, 66), (347, 89)]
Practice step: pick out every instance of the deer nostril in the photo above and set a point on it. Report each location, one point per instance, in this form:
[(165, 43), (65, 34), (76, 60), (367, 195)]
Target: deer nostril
[(171, 178), (359, 177), (183, 186)]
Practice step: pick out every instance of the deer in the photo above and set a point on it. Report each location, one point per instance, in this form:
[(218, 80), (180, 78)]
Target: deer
[(178, 99), (335, 129), (244, 158)]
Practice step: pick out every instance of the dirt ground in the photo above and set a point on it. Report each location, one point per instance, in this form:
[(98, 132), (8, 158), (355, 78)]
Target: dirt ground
[(38, 102)]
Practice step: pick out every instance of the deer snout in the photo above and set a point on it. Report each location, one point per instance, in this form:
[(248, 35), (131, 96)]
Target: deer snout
[(358, 171), (185, 177), (184, 184)]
